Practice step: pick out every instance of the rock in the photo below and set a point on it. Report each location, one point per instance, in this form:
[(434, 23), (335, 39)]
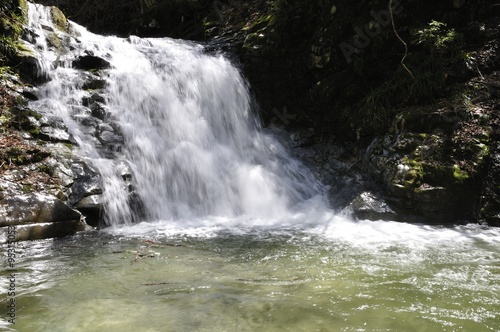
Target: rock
[(52, 128), (35, 208), (43, 231), (91, 62), (59, 19), (92, 208), (84, 186), (95, 84), (424, 121), (370, 206), (416, 165), (98, 110), (29, 93), (30, 67), (94, 98), (137, 205), (107, 135)]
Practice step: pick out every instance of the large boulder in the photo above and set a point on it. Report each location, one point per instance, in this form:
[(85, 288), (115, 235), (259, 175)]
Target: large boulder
[(40, 231), (37, 216), (34, 208)]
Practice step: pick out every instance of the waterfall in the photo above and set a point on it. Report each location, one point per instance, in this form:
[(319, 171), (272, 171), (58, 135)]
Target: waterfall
[(170, 129)]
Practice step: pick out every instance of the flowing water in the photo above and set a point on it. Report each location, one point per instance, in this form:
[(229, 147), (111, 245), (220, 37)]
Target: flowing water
[(232, 234)]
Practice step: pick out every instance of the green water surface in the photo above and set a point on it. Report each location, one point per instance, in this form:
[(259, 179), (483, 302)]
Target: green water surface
[(254, 282)]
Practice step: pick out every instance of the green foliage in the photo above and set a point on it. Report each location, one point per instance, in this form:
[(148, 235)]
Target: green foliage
[(437, 37), (445, 49)]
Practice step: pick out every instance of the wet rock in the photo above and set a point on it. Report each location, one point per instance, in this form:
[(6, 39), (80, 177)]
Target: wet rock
[(35, 208), (91, 62), (84, 186), (89, 121), (29, 67), (87, 183), (332, 163), (137, 205), (29, 93), (43, 231), (370, 206), (92, 208), (95, 84), (107, 135), (124, 170), (98, 110), (94, 98), (53, 128), (59, 19)]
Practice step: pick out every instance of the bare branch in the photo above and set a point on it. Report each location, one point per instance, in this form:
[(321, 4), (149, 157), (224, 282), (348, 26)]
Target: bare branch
[(400, 39)]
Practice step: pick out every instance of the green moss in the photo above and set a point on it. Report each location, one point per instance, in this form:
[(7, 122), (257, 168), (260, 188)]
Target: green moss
[(23, 6), (444, 176), (459, 175), (68, 145), (22, 49), (50, 170), (3, 120), (28, 188), (34, 132), (59, 19), (415, 174)]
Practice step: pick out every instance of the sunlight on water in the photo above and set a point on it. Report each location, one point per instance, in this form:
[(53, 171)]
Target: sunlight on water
[(425, 279)]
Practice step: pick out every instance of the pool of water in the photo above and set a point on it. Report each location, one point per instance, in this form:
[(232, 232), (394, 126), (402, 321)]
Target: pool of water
[(347, 276)]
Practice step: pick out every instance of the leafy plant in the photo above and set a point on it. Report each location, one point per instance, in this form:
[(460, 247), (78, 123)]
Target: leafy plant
[(437, 37)]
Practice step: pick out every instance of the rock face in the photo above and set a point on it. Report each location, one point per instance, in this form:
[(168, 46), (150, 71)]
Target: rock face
[(35, 149), (421, 167)]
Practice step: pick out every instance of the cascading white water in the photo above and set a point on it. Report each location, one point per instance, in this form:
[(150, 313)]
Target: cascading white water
[(180, 120)]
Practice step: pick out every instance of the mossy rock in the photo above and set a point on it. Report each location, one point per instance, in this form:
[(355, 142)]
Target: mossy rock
[(261, 23), (59, 19), (446, 176)]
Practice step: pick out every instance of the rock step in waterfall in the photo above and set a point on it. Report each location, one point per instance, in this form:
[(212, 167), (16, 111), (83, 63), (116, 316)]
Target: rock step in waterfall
[(162, 131)]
